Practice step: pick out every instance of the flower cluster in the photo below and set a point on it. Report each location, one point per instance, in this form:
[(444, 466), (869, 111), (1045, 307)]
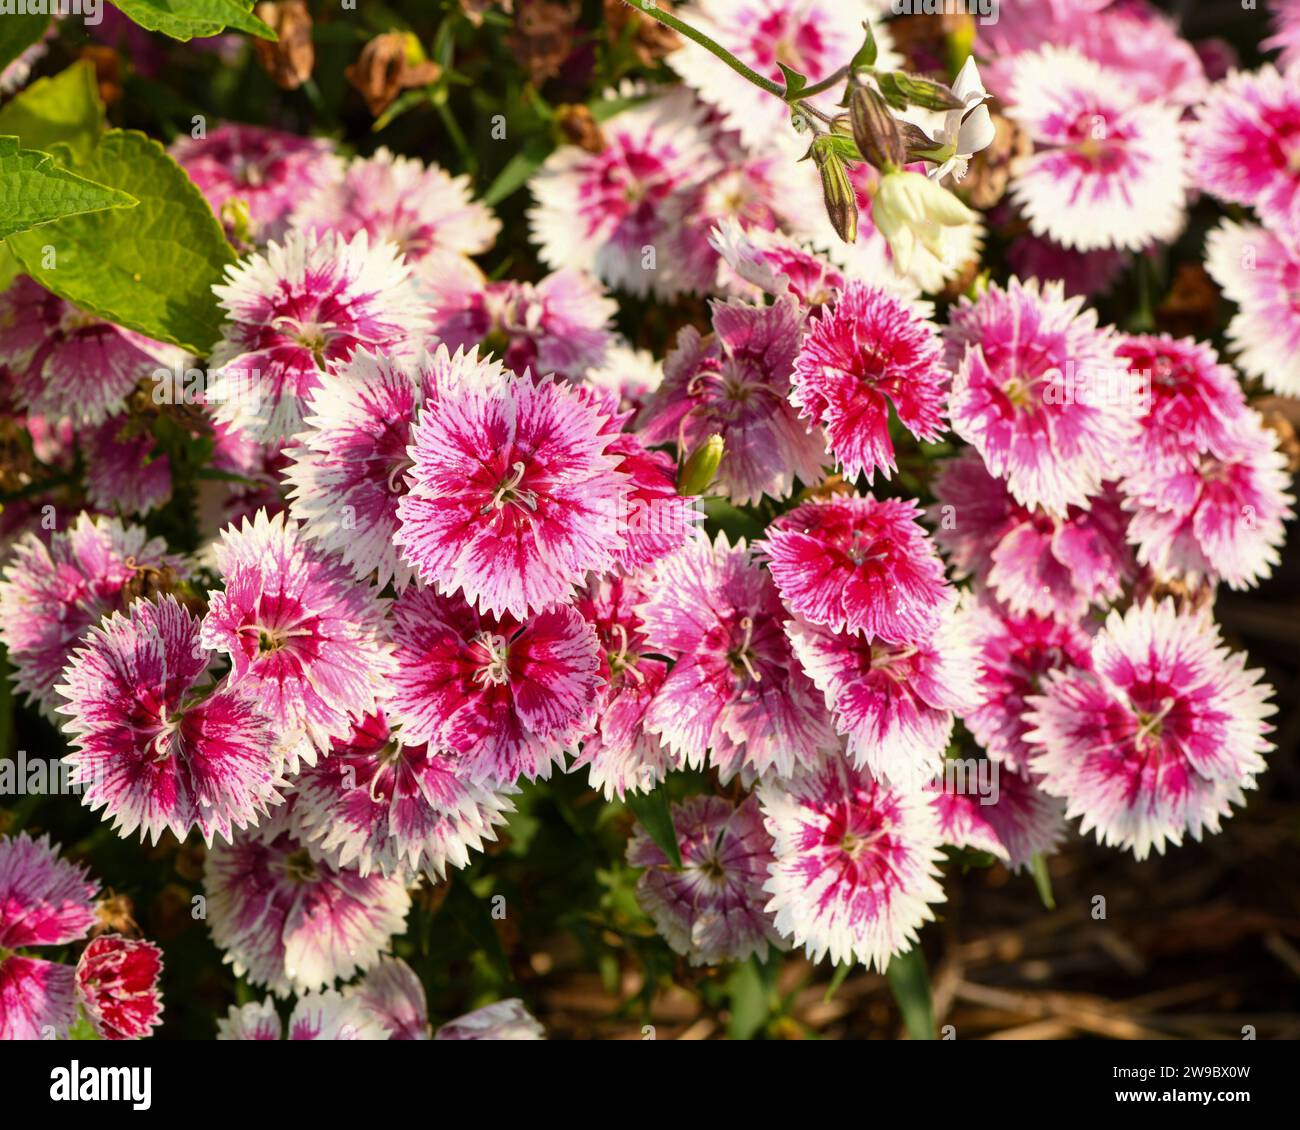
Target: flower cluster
[(753, 497)]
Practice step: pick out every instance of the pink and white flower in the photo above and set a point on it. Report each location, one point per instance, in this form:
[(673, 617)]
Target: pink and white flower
[(623, 756), (52, 594), (1033, 561), (894, 703), (776, 264), (1247, 144), (304, 638), (1217, 514), (501, 1020), (122, 471), (377, 804), (428, 214), (268, 171), (506, 697), (734, 692), (856, 871), (1039, 392), (1160, 738), (327, 1015), (1259, 270), (155, 748), (860, 565), (392, 992), (616, 213), (514, 495), (44, 901), (869, 353), (736, 383), (68, 362), (1015, 823), (1109, 168), (295, 311), (287, 919), (1015, 654), (117, 986), (711, 909)]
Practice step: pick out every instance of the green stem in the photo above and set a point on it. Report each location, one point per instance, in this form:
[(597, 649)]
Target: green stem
[(647, 7), (833, 79)]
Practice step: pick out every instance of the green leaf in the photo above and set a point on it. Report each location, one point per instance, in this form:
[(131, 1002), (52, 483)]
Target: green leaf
[(910, 983), (794, 82), (866, 56), (515, 174), (35, 190), (750, 1001), (194, 19), (1042, 879), (838, 978), (61, 110), (652, 812), (151, 269), (9, 269), (18, 31), (474, 917)]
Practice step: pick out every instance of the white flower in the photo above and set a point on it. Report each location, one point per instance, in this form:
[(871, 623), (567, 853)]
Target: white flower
[(966, 131), (908, 207)]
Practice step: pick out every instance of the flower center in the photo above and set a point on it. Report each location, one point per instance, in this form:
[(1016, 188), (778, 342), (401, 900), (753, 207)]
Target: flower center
[(496, 670), (300, 868), (741, 657), (509, 491)]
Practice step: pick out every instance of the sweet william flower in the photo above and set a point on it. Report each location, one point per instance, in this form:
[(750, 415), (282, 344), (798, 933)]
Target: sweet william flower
[(117, 986), (856, 871), (1160, 738), (327, 1015), (501, 1020), (392, 992), (44, 901), (711, 909), (506, 697), (154, 747), (514, 495)]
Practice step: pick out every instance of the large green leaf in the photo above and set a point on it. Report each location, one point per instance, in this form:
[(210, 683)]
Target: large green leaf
[(194, 19), (151, 269), (62, 110), (35, 190), (18, 31)]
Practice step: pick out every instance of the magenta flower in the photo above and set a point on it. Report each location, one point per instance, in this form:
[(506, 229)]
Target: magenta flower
[(1108, 168), (1286, 37), (615, 214), (1213, 515), (734, 692), (1032, 560), (1194, 399), (304, 639), (871, 352), (859, 564), (117, 985), (267, 170), (52, 594), (428, 214), (1259, 270), (155, 749), (507, 697), (623, 756), (856, 869), (514, 497), (1039, 392), (378, 805), (711, 910), (1015, 653), (122, 472), (1160, 738), (44, 901), (287, 919), (1246, 139), (894, 703), (295, 311), (736, 383), (348, 466), (1015, 823), (69, 363)]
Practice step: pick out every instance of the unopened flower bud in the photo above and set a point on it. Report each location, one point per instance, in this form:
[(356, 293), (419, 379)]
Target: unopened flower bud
[(875, 129), (841, 200), (701, 466)]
